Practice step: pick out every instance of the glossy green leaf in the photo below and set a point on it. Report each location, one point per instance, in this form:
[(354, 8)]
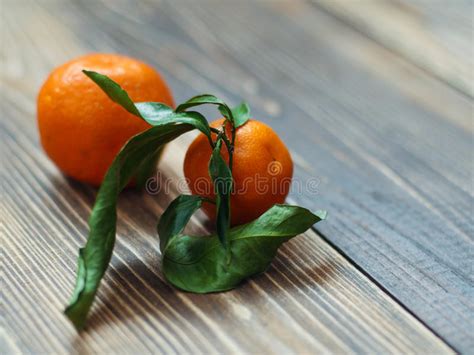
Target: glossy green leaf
[(136, 157), (200, 264), (152, 112), (226, 112), (204, 100), (95, 256), (241, 114), (176, 216), (222, 180), (147, 168), (113, 90), (200, 100), (156, 113)]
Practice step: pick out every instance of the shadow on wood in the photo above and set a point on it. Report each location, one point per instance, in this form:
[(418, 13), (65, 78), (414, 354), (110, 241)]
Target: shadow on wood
[(138, 281)]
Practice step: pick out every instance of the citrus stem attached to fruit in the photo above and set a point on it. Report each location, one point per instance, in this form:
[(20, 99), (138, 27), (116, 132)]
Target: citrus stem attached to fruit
[(213, 263)]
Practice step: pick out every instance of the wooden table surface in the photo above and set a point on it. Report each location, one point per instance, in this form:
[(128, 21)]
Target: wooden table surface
[(374, 100)]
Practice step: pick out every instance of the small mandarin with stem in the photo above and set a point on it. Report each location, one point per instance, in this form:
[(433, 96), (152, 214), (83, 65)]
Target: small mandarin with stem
[(262, 170)]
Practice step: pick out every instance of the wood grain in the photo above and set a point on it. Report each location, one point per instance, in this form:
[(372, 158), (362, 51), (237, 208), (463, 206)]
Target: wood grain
[(311, 299), (436, 35), (396, 173), (369, 125)]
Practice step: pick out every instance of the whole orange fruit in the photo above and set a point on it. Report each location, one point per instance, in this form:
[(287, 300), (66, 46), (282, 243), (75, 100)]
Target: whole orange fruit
[(262, 170), (81, 129)]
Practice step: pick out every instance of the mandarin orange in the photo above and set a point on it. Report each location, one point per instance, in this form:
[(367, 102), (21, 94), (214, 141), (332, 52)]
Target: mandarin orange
[(262, 170), (81, 129)]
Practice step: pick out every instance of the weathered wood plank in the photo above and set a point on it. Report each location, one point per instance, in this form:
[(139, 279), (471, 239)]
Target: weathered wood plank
[(435, 35), (390, 145), (311, 299)]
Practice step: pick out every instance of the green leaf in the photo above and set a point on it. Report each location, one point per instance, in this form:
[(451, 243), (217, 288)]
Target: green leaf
[(176, 216), (147, 168), (200, 100), (199, 264), (222, 180), (207, 99), (95, 256), (241, 114), (152, 112), (113, 90), (156, 113), (159, 114), (226, 112)]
